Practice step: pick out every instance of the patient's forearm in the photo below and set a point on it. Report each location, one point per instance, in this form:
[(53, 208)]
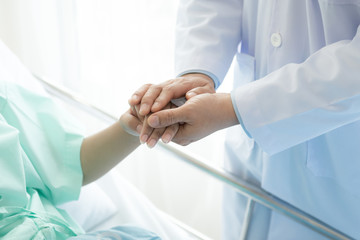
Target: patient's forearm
[(102, 151)]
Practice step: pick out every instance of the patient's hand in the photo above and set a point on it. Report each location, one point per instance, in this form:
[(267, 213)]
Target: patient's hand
[(131, 122)]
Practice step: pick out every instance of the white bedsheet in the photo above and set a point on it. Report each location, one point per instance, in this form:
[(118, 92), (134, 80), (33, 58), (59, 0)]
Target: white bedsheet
[(131, 207)]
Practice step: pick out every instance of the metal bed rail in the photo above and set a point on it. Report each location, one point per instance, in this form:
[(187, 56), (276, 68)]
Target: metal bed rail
[(253, 193)]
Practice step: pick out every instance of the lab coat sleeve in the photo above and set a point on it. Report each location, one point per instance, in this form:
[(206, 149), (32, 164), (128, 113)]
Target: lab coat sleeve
[(301, 101), (207, 35)]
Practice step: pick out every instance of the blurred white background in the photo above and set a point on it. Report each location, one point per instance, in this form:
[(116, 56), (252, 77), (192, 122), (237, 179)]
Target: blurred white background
[(104, 50)]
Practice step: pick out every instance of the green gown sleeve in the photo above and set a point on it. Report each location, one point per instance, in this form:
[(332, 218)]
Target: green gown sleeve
[(39, 165)]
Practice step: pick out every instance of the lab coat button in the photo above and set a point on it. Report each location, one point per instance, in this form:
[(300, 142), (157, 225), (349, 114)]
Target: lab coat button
[(275, 39)]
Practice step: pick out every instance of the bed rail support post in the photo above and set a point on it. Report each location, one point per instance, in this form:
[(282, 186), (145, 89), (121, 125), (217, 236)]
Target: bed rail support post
[(247, 218)]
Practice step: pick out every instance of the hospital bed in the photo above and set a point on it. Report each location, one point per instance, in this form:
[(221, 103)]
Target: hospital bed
[(167, 227)]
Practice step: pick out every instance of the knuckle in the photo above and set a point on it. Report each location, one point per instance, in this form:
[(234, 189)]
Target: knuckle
[(158, 133), (172, 130), (170, 117), (167, 88), (147, 86), (139, 92), (143, 88), (157, 86), (174, 127), (147, 130), (210, 89), (154, 90), (171, 81)]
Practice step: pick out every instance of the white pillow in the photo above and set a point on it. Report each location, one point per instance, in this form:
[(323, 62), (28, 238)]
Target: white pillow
[(93, 207)]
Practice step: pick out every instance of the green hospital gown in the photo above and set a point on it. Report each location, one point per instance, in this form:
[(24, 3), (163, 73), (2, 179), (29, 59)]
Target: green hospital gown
[(39, 166)]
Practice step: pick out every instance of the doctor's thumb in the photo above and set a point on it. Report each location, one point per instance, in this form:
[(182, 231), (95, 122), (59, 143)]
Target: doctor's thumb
[(164, 118)]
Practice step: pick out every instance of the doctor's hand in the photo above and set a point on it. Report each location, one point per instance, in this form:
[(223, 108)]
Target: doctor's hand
[(153, 98), (150, 135), (198, 117)]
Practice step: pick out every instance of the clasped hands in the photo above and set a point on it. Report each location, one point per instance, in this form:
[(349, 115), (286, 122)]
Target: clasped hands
[(152, 116)]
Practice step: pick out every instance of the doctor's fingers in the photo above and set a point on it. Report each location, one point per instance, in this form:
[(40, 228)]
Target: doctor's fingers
[(167, 91), (155, 97), (166, 135), (168, 117), (184, 135), (152, 94), (189, 85), (135, 99), (159, 95), (170, 133), (151, 136), (154, 137)]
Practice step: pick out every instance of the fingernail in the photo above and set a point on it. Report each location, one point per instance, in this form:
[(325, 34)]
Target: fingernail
[(143, 109), (135, 97), (166, 138), (190, 94), (155, 105), (138, 128), (152, 143), (143, 139), (153, 121)]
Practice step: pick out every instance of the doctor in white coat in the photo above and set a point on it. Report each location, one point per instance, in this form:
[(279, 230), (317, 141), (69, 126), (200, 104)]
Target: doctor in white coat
[(295, 105)]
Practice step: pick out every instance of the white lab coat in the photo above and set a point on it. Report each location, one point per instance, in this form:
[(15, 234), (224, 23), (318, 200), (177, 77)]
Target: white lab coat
[(301, 135)]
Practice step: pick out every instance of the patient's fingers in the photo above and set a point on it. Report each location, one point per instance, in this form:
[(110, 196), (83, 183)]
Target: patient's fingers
[(130, 123), (134, 110)]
